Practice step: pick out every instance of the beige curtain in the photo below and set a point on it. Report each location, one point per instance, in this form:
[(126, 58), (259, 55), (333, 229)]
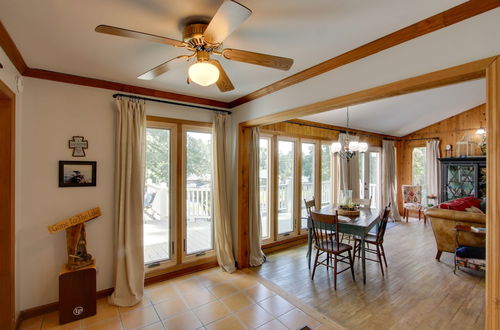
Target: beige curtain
[(129, 191), (432, 174), (389, 179), (222, 219), (256, 257)]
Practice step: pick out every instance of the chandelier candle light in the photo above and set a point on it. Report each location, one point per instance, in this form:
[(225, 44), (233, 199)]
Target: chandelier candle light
[(350, 147)]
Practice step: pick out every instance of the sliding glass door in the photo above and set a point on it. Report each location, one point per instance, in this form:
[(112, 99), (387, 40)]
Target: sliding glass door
[(286, 186), (307, 178)]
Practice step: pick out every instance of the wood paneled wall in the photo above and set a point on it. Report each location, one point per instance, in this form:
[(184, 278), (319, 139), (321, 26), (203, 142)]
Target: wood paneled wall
[(295, 130), (449, 131)]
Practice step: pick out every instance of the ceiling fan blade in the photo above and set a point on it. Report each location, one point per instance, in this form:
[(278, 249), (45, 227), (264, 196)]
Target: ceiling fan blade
[(160, 69), (224, 83), (275, 62), (228, 17), (116, 31)]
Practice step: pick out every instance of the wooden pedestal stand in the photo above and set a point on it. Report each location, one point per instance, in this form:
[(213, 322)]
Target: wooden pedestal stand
[(77, 293), (77, 279)]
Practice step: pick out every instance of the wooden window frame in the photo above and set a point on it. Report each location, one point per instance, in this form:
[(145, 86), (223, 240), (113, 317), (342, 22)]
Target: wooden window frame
[(177, 198)]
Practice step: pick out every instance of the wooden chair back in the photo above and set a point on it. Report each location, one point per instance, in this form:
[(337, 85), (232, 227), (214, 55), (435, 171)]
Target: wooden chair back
[(309, 205), (383, 224), (323, 225)]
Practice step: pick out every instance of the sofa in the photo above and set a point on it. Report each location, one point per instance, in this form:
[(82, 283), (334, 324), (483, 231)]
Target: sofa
[(443, 222)]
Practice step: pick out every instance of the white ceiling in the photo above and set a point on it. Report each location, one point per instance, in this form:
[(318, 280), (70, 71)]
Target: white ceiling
[(59, 35), (404, 114)]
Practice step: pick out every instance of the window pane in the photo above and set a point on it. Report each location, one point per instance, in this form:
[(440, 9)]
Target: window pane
[(199, 225), (375, 174), (361, 159), (418, 170), (285, 186), (307, 179), (264, 186), (326, 175), (157, 196)]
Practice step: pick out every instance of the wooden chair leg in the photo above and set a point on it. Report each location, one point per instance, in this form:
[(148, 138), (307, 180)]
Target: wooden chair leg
[(335, 272), (379, 259), (315, 264), (327, 261), (354, 250), (351, 261), (438, 255), (383, 254), (419, 214)]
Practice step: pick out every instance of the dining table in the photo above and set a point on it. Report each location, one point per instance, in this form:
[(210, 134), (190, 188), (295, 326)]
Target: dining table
[(359, 225)]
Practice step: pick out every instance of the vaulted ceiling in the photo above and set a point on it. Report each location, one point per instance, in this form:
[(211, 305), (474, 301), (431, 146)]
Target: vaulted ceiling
[(59, 36)]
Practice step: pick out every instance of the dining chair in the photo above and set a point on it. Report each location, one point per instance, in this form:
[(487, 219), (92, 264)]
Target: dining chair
[(309, 205), (328, 243), (412, 200), (375, 239)]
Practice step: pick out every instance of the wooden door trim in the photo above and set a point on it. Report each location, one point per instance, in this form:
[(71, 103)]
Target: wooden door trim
[(493, 187), (460, 73), (7, 207)]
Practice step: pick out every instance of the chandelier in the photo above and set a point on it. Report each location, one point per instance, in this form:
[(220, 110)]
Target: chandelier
[(349, 149)]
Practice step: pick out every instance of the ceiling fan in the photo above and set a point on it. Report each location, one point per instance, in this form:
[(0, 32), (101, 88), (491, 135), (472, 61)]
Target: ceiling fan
[(204, 38)]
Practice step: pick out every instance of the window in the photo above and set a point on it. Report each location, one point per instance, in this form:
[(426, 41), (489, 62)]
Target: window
[(326, 175), (264, 187), (198, 189), (286, 169), (418, 169), (307, 178), (157, 192), (177, 210)]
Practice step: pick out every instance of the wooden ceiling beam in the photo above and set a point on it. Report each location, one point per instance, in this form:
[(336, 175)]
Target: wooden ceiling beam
[(453, 75), (446, 18), (11, 50)]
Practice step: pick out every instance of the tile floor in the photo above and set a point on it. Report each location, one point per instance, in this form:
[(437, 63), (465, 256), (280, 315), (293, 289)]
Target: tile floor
[(209, 300)]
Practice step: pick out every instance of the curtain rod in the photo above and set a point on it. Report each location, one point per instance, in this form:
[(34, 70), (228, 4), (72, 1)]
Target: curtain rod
[(171, 102)]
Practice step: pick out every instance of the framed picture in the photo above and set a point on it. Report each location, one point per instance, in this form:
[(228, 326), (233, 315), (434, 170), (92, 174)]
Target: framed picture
[(77, 173)]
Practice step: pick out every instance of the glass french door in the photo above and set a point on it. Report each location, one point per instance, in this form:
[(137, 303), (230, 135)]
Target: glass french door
[(370, 174), (308, 169), (286, 186), (265, 186)]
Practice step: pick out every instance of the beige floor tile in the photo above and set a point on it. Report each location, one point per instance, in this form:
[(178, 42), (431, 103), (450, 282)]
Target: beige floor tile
[(212, 278), (145, 302), (254, 316), (32, 323), (259, 292), (211, 312), (273, 325), (228, 323), (244, 282), (223, 289), (104, 312), (155, 286), (276, 305), (154, 326), (296, 319), (184, 321), (322, 327), (190, 285), (51, 321), (170, 307), (237, 301), (196, 299), (108, 324), (139, 318), (163, 293)]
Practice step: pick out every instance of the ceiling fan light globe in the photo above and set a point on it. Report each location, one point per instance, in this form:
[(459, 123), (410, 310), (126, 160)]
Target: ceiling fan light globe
[(203, 73)]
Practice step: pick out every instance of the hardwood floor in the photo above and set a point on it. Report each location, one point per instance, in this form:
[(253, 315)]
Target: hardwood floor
[(417, 291)]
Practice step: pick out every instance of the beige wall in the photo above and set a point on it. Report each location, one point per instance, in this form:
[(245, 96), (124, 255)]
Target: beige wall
[(52, 113)]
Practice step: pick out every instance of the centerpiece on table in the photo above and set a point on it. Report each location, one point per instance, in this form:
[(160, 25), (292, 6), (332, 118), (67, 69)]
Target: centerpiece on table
[(346, 205)]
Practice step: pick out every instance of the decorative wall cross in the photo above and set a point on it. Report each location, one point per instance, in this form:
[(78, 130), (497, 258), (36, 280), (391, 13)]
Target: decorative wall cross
[(78, 144)]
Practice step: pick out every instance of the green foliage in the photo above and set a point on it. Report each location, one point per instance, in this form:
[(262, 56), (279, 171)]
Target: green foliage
[(418, 167), (157, 155), (285, 160), (308, 162), (199, 155), (326, 163)]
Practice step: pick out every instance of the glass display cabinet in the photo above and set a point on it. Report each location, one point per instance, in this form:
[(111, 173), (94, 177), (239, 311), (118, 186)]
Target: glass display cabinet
[(462, 177)]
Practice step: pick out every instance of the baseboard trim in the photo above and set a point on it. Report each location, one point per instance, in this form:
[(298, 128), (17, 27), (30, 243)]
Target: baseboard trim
[(52, 307), (284, 244)]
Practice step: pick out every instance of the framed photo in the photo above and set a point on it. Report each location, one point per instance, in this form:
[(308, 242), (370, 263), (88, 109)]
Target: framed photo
[(77, 173)]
